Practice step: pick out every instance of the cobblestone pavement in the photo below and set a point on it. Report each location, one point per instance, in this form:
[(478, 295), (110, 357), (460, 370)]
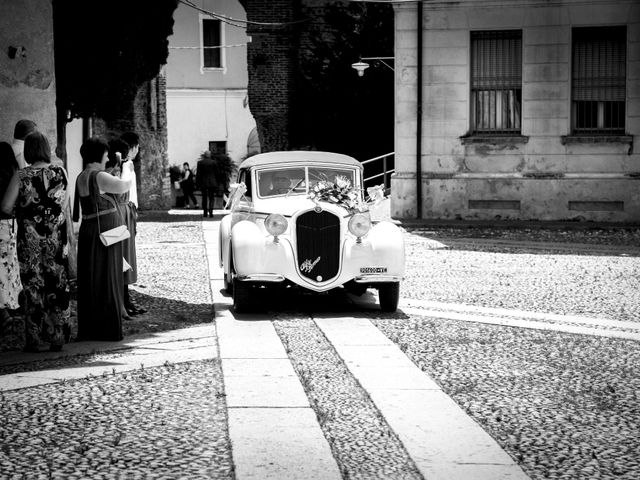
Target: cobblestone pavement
[(563, 405)]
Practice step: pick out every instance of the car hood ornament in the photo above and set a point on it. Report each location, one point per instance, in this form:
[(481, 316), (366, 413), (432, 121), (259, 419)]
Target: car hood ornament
[(308, 265)]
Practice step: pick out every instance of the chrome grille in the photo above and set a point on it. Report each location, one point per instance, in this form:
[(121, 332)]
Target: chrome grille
[(318, 245)]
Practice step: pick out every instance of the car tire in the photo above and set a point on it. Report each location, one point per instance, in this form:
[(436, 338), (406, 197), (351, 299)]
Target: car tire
[(389, 295), (228, 278), (241, 296)]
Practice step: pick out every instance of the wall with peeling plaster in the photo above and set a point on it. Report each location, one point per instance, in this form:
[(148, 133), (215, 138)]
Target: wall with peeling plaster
[(27, 76), (543, 175)]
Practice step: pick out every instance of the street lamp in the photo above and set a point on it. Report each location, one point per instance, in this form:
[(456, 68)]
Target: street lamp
[(361, 66)]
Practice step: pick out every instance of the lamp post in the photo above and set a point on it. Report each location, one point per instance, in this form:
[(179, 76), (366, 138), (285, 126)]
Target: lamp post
[(360, 66)]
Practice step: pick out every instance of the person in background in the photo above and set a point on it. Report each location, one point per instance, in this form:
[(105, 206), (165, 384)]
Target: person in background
[(206, 178), (100, 278), (131, 218), (187, 185), (38, 192), (11, 326), (20, 132)]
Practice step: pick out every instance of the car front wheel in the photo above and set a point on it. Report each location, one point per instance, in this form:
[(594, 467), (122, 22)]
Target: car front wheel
[(241, 296), (389, 295)]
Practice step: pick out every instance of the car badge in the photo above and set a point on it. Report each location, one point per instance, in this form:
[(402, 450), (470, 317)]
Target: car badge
[(308, 265), (318, 209), (319, 278)]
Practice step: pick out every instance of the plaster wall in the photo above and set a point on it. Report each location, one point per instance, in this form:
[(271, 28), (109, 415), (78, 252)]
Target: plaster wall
[(447, 158), (184, 65), (196, 117), (27, 81)]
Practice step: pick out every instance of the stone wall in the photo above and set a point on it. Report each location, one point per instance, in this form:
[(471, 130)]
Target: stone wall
[(148, 118), (27, 76)]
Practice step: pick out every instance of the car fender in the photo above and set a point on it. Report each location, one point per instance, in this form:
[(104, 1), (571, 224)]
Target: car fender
[(223, 242), (247, 243), (387, 245)]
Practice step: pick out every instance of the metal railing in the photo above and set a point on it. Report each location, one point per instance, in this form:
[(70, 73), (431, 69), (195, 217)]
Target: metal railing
[(387, 162)]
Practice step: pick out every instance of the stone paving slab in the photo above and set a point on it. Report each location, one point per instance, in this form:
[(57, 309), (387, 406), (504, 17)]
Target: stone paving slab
[(136, 358), (280, 444), (444, 442), (83, 348)]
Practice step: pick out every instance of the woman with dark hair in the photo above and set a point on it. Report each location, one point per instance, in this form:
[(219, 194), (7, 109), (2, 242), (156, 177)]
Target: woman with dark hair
[(100, 279), (40, 198), (11, 326), (188, 186)]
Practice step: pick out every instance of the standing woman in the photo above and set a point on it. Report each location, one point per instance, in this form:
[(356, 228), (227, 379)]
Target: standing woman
[(40, 199), (188, 186), (11, 327), (100, 279)]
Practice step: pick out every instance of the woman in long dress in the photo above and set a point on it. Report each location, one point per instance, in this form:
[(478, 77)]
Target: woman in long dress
[(100, 278), (40, 199), (11, 324)]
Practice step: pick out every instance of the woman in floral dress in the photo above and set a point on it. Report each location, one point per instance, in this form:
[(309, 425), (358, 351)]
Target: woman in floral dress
[(42, 237), (11, 324)]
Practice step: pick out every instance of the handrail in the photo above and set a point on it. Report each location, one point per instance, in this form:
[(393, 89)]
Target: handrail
[(385, 172)]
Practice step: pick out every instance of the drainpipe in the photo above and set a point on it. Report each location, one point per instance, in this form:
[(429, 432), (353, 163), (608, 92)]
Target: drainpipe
[(419, 117)]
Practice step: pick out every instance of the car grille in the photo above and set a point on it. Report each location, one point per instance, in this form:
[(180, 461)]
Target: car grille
[(318, 245)]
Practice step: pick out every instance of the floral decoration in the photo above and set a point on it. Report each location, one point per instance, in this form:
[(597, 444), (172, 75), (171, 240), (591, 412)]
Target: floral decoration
[(341, 192)]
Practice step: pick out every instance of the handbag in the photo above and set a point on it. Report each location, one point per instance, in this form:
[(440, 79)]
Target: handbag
[(114, 235)]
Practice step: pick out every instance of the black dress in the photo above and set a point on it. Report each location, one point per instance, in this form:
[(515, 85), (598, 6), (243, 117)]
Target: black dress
[(100, 279)]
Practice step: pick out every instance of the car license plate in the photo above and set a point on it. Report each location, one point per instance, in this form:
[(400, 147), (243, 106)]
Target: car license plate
[(373, 269)]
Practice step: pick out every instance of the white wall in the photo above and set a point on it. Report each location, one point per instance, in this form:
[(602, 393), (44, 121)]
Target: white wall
[(197, 117)]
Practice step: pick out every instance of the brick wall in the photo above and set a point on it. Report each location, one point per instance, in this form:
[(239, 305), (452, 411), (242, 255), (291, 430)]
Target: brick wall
[(272, 62)]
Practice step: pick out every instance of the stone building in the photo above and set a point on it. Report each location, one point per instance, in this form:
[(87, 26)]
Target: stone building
[(517, 110)]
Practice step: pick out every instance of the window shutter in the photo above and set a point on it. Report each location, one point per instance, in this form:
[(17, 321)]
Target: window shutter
[(496, 59), (599, 64), (211, 38)]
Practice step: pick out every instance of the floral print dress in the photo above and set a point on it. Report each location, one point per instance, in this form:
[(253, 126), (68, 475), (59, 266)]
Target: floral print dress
[(10, 285), (42, 240)]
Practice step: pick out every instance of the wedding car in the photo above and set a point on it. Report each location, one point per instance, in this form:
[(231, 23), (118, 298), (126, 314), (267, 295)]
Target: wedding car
[(301, 219)]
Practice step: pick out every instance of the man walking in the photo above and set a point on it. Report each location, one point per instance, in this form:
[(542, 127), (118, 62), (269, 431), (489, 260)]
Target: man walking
[(206, 180), (20, 132)]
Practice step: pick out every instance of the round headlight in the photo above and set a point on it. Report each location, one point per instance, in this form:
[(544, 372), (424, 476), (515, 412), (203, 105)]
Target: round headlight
[(360, 224), (276, 224)]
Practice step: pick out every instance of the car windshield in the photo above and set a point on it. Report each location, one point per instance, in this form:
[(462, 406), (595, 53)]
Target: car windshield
[(293, 181)]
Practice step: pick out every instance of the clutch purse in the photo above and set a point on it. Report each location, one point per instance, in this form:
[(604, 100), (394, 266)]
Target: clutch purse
[(115, 235)]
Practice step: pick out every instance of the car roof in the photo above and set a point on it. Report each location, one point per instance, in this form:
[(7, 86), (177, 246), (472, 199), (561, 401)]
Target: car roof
[(302, 157)]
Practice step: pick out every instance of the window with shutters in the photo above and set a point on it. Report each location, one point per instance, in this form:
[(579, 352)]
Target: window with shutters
[(496, 82), (598, 80), (211, 42)]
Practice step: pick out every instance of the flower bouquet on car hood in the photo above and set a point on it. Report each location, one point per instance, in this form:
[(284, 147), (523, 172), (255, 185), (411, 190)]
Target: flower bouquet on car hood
[(340, 192)]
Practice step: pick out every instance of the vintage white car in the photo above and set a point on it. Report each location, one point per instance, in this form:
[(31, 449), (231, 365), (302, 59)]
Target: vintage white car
[(300, 219)]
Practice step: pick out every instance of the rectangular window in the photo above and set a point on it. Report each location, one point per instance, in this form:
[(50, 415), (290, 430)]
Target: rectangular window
[(598, 80), (496, 82), (211, 38)]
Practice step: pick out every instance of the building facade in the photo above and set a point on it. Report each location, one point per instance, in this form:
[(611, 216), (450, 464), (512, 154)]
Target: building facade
[(522, 110), (207, 103)]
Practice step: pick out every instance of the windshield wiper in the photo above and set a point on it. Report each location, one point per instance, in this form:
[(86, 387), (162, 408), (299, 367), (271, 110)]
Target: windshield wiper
[(294, 187)]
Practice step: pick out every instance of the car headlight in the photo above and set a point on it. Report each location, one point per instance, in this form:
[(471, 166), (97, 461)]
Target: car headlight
[(276, 224), (360, 224)]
